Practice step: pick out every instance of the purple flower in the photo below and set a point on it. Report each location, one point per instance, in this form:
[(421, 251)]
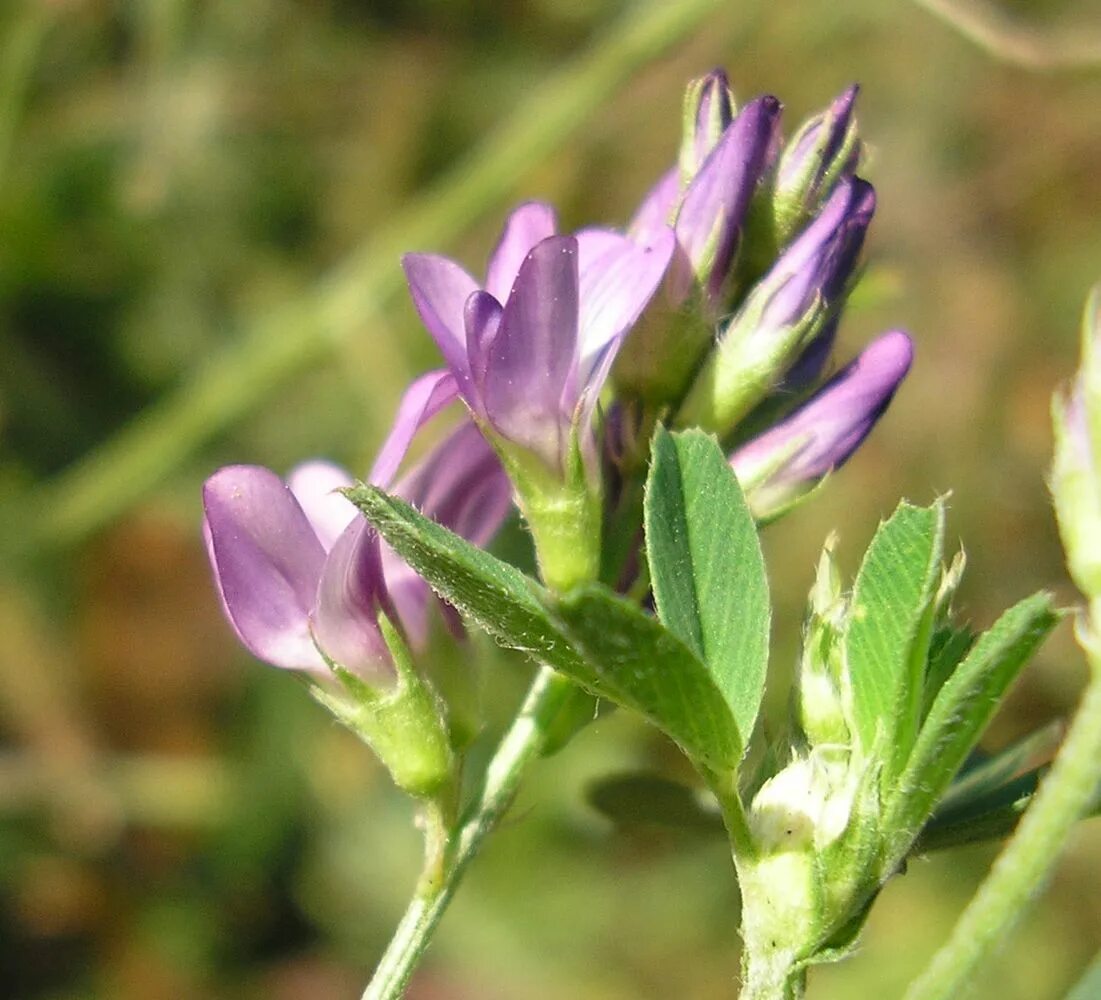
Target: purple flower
[(790, 458), (298, 569), (530, 352), (786, 322)]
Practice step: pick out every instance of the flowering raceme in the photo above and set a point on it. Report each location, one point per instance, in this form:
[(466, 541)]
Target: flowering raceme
[(648, 400)]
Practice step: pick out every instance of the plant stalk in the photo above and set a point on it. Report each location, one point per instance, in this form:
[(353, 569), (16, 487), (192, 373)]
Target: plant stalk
[(447, 853)]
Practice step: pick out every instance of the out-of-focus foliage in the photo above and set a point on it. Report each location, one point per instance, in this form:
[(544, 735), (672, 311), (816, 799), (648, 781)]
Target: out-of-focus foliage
[(176, 820)]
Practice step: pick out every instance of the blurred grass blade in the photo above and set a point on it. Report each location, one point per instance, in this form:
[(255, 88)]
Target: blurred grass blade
[(1089, 986), (283, 344)]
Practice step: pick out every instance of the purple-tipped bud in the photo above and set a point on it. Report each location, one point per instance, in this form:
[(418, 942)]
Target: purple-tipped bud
[(788, 313), (708, 110), (1076, 469), (825, 150), (708, 216), (713, 211), (787, 461)]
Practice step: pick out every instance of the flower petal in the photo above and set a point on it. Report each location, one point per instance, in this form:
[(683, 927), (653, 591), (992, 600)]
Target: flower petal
[(440, 289), (709, 224), (528, 224), (267, 561), (482, 317), (824, 432), (462, 486), (617, 279), (349, 596), (314, 485), (535, 351), (658, 208), (424, 398)]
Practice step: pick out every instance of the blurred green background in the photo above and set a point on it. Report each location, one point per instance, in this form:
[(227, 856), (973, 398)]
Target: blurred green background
[(201, 211)]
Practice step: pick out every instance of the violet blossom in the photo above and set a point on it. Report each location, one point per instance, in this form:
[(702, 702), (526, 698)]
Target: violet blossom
[(299, 571), (788, 460), (530, 351)]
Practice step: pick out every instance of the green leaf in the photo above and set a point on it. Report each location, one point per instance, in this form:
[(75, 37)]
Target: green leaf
[(981, 778), (495, 595), (995, 824), (592, 636), (706, 566), (887, 639), (648, 800), (947, 648), (964, 706), (640, 664)]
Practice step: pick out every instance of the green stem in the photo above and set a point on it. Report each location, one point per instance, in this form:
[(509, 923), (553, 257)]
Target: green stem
[(1027, 862), (278, 346), (447, 855)]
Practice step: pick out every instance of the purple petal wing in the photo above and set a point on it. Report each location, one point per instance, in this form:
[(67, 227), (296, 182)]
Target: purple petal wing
[(462, 486), (440, 289), (658, 208), (535, 351), (529, 224), (314, 485), (618, 278), (483, 323), (424, 398), (267, 562), (349, 595)]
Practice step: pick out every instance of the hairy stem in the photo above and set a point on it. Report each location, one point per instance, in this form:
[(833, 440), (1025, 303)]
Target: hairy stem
[(447, 853)]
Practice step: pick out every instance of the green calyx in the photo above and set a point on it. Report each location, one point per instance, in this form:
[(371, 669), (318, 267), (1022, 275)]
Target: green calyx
[(405, 726)]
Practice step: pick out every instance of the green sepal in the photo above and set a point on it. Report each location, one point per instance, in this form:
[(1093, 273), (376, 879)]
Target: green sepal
[(706, 566), (405, 725), (562, 508), (747, 363)]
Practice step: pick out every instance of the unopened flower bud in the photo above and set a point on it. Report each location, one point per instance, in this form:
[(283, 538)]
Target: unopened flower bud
[(806, 806), (1076, 470), (784, 314), (708, 109), (780, 466), (825, 150)]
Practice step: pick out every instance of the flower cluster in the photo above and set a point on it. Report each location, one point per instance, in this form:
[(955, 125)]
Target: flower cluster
[(717, 307)]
